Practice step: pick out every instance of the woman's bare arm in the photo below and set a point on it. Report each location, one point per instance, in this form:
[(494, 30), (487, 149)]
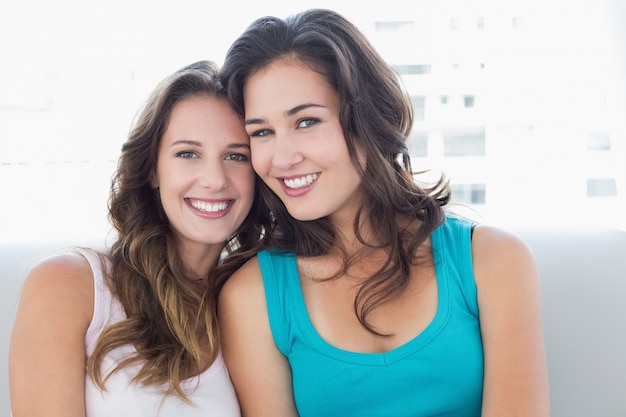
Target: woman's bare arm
[(516, 377), (47, 347), (260, 373)]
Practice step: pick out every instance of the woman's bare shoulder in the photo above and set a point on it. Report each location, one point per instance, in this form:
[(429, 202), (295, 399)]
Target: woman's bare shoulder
[(487, 238), (248, 273), (63, 277), (499, 254), (67, 265), (241, 302)]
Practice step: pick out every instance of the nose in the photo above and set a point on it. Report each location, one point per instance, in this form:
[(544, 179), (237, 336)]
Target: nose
[(286, 152), (213, 176)]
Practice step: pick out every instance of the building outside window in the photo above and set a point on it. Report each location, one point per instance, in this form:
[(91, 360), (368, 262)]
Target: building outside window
[(513, 111)]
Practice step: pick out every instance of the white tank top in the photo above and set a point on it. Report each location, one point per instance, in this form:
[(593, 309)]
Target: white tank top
[(211, 392)]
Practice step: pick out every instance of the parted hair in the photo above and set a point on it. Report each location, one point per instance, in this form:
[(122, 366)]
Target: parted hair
[(376, 117), (171, 321)]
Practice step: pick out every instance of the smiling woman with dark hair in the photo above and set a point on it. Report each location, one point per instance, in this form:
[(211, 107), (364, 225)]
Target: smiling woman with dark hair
[(373, 300)]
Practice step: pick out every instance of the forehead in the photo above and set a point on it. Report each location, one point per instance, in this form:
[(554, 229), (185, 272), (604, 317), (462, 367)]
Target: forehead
[(287, 81), (204, 117), (202, 108)]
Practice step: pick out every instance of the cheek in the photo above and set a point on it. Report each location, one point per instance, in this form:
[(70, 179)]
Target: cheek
[(170, 181), (244, 181), (260, 158)]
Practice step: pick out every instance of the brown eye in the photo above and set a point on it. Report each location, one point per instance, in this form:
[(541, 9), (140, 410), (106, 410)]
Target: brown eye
[(237, 157), (186, 154)]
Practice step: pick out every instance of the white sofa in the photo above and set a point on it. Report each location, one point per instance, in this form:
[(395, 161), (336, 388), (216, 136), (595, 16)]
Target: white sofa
[(583, 283), (583, 280)]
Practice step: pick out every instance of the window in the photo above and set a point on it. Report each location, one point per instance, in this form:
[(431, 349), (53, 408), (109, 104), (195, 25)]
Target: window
[(455, 24), (393, 26), (474, 194), (413, 69), (598, 142), (601, 187), (419, 103), (477, 77), (464, 143)]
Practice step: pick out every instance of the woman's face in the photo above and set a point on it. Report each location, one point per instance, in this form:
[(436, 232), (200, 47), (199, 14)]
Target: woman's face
[(204, 175), (298, 146)]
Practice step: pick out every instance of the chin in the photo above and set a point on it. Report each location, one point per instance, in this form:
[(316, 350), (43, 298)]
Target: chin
[(305, 217)]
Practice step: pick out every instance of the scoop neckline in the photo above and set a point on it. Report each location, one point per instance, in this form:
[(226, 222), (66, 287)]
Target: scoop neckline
[(316, 341)]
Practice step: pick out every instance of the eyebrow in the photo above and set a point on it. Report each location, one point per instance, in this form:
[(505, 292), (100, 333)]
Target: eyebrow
[(287, 113), (186, 142), (238, 145)]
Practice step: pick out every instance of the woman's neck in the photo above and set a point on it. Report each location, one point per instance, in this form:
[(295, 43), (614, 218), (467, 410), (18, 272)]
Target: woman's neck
[(200, 260)]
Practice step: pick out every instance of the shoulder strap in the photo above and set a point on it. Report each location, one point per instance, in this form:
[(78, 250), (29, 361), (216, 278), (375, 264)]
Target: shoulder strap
[(277, 269), (455, 246)]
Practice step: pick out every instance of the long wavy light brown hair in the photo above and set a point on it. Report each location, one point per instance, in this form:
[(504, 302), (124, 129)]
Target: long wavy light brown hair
[(171, 322), (376, 116)]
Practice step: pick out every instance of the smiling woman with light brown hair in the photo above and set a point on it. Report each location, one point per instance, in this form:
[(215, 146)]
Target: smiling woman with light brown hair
[(132, 330)]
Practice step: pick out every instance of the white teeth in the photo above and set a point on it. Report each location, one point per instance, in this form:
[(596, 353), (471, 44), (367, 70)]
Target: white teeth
[(300, 182), (210, 207)]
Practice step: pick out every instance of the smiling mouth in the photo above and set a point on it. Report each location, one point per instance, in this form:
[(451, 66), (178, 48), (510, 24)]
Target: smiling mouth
[(209, 207), (295, 183)]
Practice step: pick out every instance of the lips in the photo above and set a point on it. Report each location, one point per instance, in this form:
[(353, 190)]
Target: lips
[(296, 186)]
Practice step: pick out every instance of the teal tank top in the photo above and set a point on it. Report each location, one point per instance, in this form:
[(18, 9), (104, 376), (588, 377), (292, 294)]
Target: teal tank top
[(438, 373)]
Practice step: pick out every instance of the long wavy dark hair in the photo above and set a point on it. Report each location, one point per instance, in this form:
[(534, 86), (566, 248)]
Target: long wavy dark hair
[(376, 116), (170, 321)]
